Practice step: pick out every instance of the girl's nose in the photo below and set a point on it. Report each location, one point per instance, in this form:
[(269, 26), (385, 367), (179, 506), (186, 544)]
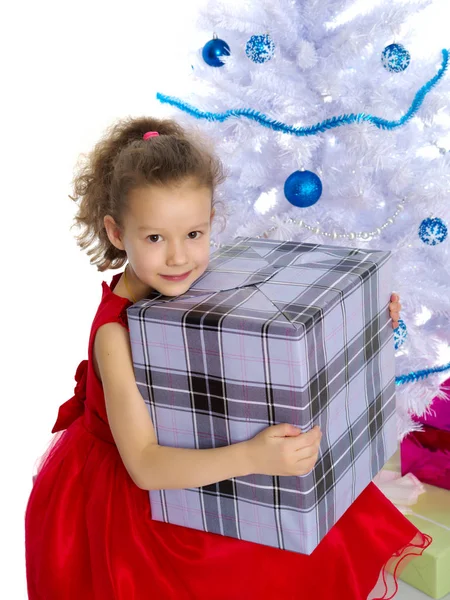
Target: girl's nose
[(176, 254)]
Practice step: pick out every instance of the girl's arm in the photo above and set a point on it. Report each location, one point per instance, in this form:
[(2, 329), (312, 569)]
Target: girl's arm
[(151, 466)]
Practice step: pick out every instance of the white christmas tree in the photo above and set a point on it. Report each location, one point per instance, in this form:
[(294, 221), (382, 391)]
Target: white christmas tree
[(332, 132)]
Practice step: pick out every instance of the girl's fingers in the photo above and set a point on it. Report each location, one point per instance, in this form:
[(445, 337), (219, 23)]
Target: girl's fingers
[(306, 453), (395, 320), (395, 306), (308, 441)]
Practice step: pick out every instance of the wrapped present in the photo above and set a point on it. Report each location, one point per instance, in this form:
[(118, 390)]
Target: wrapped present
[(429, 572), (426, 454), (403, 491), (272, 332)]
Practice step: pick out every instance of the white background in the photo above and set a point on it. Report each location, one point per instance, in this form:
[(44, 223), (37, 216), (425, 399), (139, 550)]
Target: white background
[(68, 70)]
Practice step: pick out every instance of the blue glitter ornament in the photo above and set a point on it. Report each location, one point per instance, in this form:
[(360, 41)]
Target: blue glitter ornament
[(400, 334), (395, 58), (260, 48), (433, 231), (213, 50), (303, 188)]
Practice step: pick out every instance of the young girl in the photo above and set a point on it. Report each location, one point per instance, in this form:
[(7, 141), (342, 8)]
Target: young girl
[(147, 199)]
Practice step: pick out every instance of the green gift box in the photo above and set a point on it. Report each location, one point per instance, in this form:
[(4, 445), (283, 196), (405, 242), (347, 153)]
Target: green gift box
[(429, 572)]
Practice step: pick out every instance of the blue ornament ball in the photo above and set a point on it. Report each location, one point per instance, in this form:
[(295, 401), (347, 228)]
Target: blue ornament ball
[(400, 334), (260, 48), (395, 58), (433, 231), (214, 50), (303, 188)]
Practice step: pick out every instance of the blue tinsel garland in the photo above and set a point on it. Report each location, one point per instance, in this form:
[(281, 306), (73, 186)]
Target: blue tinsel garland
[(320, 127), (422, 374)]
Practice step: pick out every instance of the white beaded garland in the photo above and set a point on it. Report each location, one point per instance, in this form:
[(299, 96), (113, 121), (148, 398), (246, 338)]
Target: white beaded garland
[(350, 235)]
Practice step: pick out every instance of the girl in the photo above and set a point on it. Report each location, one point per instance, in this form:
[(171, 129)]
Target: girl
[(147, 199)]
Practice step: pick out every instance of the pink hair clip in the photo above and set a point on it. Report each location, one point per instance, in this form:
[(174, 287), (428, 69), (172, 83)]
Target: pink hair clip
[(150, 134)]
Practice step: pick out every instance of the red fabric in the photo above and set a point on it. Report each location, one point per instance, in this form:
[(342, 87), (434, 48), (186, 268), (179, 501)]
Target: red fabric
[(73, 408), (89, 532)]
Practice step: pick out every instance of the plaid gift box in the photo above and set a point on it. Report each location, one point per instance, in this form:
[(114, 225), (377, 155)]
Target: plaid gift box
[(272, 332)]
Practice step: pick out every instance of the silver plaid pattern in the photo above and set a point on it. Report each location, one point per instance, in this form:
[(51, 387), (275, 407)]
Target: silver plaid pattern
[(272, 332)]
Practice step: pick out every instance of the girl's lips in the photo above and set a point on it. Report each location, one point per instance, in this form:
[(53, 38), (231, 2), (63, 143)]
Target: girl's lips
[(176, 277)]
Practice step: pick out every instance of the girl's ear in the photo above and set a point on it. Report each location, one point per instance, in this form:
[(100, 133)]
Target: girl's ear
[(113, 232), (213, 212)]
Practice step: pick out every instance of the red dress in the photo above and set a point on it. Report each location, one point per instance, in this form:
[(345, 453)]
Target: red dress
[(89, 532)]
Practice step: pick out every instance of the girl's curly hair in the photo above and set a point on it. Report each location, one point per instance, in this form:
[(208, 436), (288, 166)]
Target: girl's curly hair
[(122, 161)]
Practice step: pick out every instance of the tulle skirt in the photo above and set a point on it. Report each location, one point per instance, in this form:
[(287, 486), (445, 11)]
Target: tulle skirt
[(89, 535)]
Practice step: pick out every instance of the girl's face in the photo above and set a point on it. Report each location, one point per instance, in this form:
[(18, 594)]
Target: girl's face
[(166, 235)]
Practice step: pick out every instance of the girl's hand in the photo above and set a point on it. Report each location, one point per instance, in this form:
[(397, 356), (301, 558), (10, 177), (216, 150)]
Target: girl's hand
[(394, 310), (283, 450)]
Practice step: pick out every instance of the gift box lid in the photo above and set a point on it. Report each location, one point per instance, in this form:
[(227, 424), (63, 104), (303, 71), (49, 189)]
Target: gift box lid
[(294, 283)]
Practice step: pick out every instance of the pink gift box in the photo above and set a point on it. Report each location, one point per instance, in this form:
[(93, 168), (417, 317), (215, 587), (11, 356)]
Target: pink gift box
[(426, 454)]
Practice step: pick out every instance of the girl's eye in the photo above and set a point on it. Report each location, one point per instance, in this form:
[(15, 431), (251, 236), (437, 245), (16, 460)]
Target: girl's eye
[(193, 235), (151, 237)]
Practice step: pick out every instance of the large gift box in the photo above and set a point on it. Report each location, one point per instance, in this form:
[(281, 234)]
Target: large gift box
[(273, 332), (429, 572)]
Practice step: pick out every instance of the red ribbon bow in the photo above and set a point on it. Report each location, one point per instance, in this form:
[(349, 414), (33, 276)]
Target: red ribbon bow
[(73, 408)]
